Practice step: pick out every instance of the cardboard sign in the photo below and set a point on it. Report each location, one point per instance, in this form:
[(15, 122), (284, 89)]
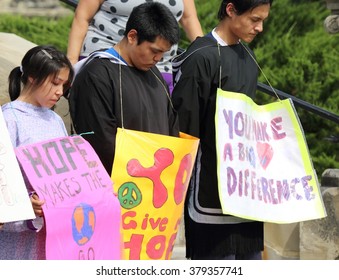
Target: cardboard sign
[(82, 215), (15, 204), (151, 180), (264, 167)]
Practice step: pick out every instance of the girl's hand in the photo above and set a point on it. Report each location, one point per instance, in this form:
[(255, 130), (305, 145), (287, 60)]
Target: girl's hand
[(37, 204)]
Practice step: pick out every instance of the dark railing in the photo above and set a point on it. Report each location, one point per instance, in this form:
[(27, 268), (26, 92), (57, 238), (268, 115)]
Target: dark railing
[(299, 103)]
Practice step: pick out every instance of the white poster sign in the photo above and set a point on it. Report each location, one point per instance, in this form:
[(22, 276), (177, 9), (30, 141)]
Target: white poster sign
[(15, 204), (264, 167)]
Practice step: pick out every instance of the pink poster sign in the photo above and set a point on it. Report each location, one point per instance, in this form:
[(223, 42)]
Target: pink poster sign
[(82, 215)]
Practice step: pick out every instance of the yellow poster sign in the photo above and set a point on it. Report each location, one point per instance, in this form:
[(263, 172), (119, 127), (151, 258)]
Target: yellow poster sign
[(150, 174)]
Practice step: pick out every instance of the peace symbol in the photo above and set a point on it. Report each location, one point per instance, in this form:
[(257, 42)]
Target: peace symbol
[(129, 195)]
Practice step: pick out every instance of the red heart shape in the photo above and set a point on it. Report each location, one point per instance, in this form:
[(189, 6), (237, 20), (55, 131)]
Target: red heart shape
[(265, 154)]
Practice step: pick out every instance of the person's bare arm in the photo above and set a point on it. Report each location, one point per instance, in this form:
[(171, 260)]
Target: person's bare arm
[(190, 22), (84, 13)]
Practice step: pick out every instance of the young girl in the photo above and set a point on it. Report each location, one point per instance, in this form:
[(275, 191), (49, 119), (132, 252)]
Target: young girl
[(44, 75)]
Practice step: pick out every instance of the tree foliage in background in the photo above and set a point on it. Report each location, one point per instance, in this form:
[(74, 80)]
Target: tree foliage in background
[(38, 30), (295, 52)]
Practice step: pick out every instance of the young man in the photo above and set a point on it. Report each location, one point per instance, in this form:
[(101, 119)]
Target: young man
[(217, 60), (121, 87)]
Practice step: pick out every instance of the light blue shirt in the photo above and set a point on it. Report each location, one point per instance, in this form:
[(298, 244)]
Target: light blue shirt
[(28, 124)]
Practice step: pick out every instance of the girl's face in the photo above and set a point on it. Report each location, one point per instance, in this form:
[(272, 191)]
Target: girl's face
[(50, 91)]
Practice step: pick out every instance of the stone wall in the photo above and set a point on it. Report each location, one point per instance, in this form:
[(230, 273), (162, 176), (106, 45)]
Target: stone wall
[(49, 8), (310, 240), (319, 239)]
